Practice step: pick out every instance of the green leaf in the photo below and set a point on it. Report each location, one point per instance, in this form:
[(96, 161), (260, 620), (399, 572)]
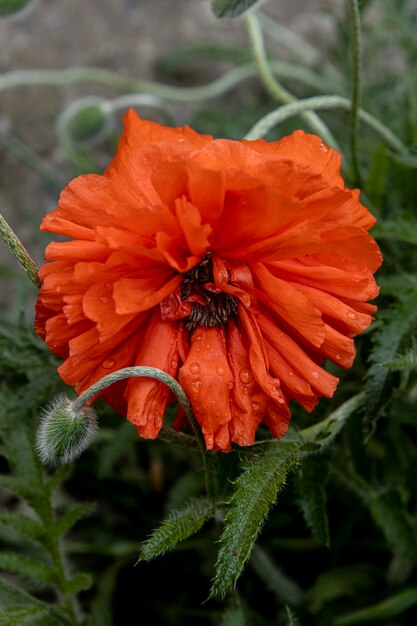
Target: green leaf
[(16, 615), (339, 583), (399, 229), (382, 611), (256, 491), (394, 332), (8, 7), (392, 519), (285, 589), (79, 582), (71, 517), (291, 619), (407, 361), (232, 8), (312, 499), (179, 526), (16, 594), (234, 614), (86, 121), (23, 524), (29, 568)]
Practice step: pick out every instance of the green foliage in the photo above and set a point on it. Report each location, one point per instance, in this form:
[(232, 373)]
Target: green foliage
[(232, 8), (382, 611), (256, 490), (311, 486), (399, 529), (179, 526), (284, 588)]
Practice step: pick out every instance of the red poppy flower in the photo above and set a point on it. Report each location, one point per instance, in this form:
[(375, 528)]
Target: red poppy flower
[(235, 266)]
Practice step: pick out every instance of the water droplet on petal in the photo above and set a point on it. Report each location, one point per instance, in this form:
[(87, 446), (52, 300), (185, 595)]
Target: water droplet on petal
[(315, 373), (196, 386), (338, 357), (231, 384), (351, 315), (108, 364), (108, 286), (255, 405), (174, 364), (290, 373), (195, 368), (245, 389), (246, 375), (323, 148), (220, 370), (103, 299)]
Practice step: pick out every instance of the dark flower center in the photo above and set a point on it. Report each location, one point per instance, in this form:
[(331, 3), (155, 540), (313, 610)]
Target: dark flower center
[(210, 306)]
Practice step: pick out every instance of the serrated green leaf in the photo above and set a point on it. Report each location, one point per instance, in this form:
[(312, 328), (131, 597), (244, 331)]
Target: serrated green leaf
[(16, 615), (392, 519), (23, 524), (71, 516), (312, 498), (394, 332), (9, 591), (79, 582), (291, 619), (256, 491), (406, 361), (285, 589), (37, 570), (232, 8), (382, 611), (61, 474), (179, 526)]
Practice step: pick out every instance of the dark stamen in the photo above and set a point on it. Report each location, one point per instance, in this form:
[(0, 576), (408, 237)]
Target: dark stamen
[(216, 308)]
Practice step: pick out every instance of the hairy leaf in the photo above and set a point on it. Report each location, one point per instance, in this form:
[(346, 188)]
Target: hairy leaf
[(29, 568), (234, 615), (179, 526), (71, 517), (256, 491), (23, 524)]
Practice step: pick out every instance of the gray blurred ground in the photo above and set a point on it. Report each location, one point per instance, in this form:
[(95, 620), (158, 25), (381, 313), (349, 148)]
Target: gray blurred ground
[(123, 35)]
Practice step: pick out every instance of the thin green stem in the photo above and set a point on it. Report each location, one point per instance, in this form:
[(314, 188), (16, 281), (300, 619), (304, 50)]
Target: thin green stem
[(152, 372), (216, 88), (356, 38), (19, 251), (266, 123), (274, 88)]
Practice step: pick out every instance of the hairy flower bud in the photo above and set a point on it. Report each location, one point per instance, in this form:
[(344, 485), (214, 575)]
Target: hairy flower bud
[(63, 432)]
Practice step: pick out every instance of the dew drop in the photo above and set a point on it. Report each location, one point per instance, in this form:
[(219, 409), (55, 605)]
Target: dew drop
[(245, 389), (323, 148), (220, 370), (108, 286), (315, 373), (174, 364), (351, 315), (246, 375), (290, 373), (108, 364), (195, 368), (196, 386), (255, 405), (181, 140), (208, 346), (338, 357), (231, 384), (103, 299)]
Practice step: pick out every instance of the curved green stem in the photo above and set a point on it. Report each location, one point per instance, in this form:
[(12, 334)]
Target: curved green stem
[(355, 19), (216, 88), (264, 125), (19, 251), (157, 374), (274, 88)]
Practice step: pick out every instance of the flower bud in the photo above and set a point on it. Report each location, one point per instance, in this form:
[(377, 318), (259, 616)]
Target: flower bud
[(64, 433)]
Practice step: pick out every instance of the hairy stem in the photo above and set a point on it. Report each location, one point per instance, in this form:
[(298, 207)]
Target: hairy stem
[(19, 251), (356, 85)]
